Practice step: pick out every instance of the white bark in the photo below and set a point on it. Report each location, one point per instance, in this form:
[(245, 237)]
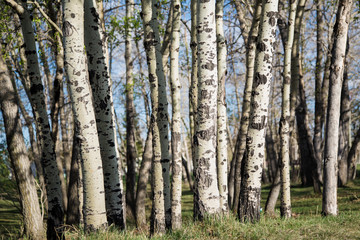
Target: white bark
[(206, 199), (151, 44), (255, 141), (176, 118), (340, 33), (104, 113), (82, 103), (285, 118), (221, 149)]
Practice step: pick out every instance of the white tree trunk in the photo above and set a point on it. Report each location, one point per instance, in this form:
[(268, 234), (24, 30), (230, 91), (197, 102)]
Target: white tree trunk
[(176, 118), (285, 208), (255, 141), (82, 103), (221, 149), (329, 202), (104, 112), (206, 199), (151, 40)]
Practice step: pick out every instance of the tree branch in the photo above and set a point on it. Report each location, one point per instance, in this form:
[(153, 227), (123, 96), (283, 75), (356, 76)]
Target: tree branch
[(37, 5)]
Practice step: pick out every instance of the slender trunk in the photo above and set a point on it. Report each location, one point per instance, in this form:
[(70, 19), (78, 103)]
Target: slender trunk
[(352, 156), (48, 158), (20, 162), (273, 195), (333, 114), (84, 115), (193, 90), (143, 181), (152, 48), (73, 210), (246, 107), (249, 206), (319, 111), (221, 149), (130, 116), (176, 118), (284, 169), (104, 113), (345, 121)]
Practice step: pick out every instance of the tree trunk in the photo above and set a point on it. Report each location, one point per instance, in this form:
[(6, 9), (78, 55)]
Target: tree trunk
[(333, 114), (352, 156), (206, 196), (143, 181), (84, 115), (344, 128), (222, 140), (37, 98), (152, 48), (20, 162), (246, 107), (176, 118), (73, 210), (193, 89), (319, 111), (104, 113), (273, 195), (249, 207), (285, 208), (130, 116)]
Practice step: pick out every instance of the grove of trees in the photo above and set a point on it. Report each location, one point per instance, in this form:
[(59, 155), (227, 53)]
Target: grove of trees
[(101, 100)]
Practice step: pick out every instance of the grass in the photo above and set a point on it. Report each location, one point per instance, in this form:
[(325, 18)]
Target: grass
[(307, 222)]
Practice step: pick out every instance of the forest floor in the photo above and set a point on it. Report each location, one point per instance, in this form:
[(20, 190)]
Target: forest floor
[(306, 223)]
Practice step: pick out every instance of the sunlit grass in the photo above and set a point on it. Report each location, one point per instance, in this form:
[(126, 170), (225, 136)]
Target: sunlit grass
[(307, 222)]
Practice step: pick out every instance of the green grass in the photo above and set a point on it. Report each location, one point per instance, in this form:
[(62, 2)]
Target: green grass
[(10, 220), (307, 222)]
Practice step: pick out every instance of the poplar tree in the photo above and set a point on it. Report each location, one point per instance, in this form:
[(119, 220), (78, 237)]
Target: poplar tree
[(176, 182), (104, 113), (249, 207), (206, 196), (329, 201), (84, 115)]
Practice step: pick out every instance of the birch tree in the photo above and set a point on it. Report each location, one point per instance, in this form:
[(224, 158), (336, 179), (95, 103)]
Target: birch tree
[(221, 150), (285, 208), (104, 113), (206, 196), (20, 162), (176, 118), (249, 208), (329, 201), (84, 115)]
